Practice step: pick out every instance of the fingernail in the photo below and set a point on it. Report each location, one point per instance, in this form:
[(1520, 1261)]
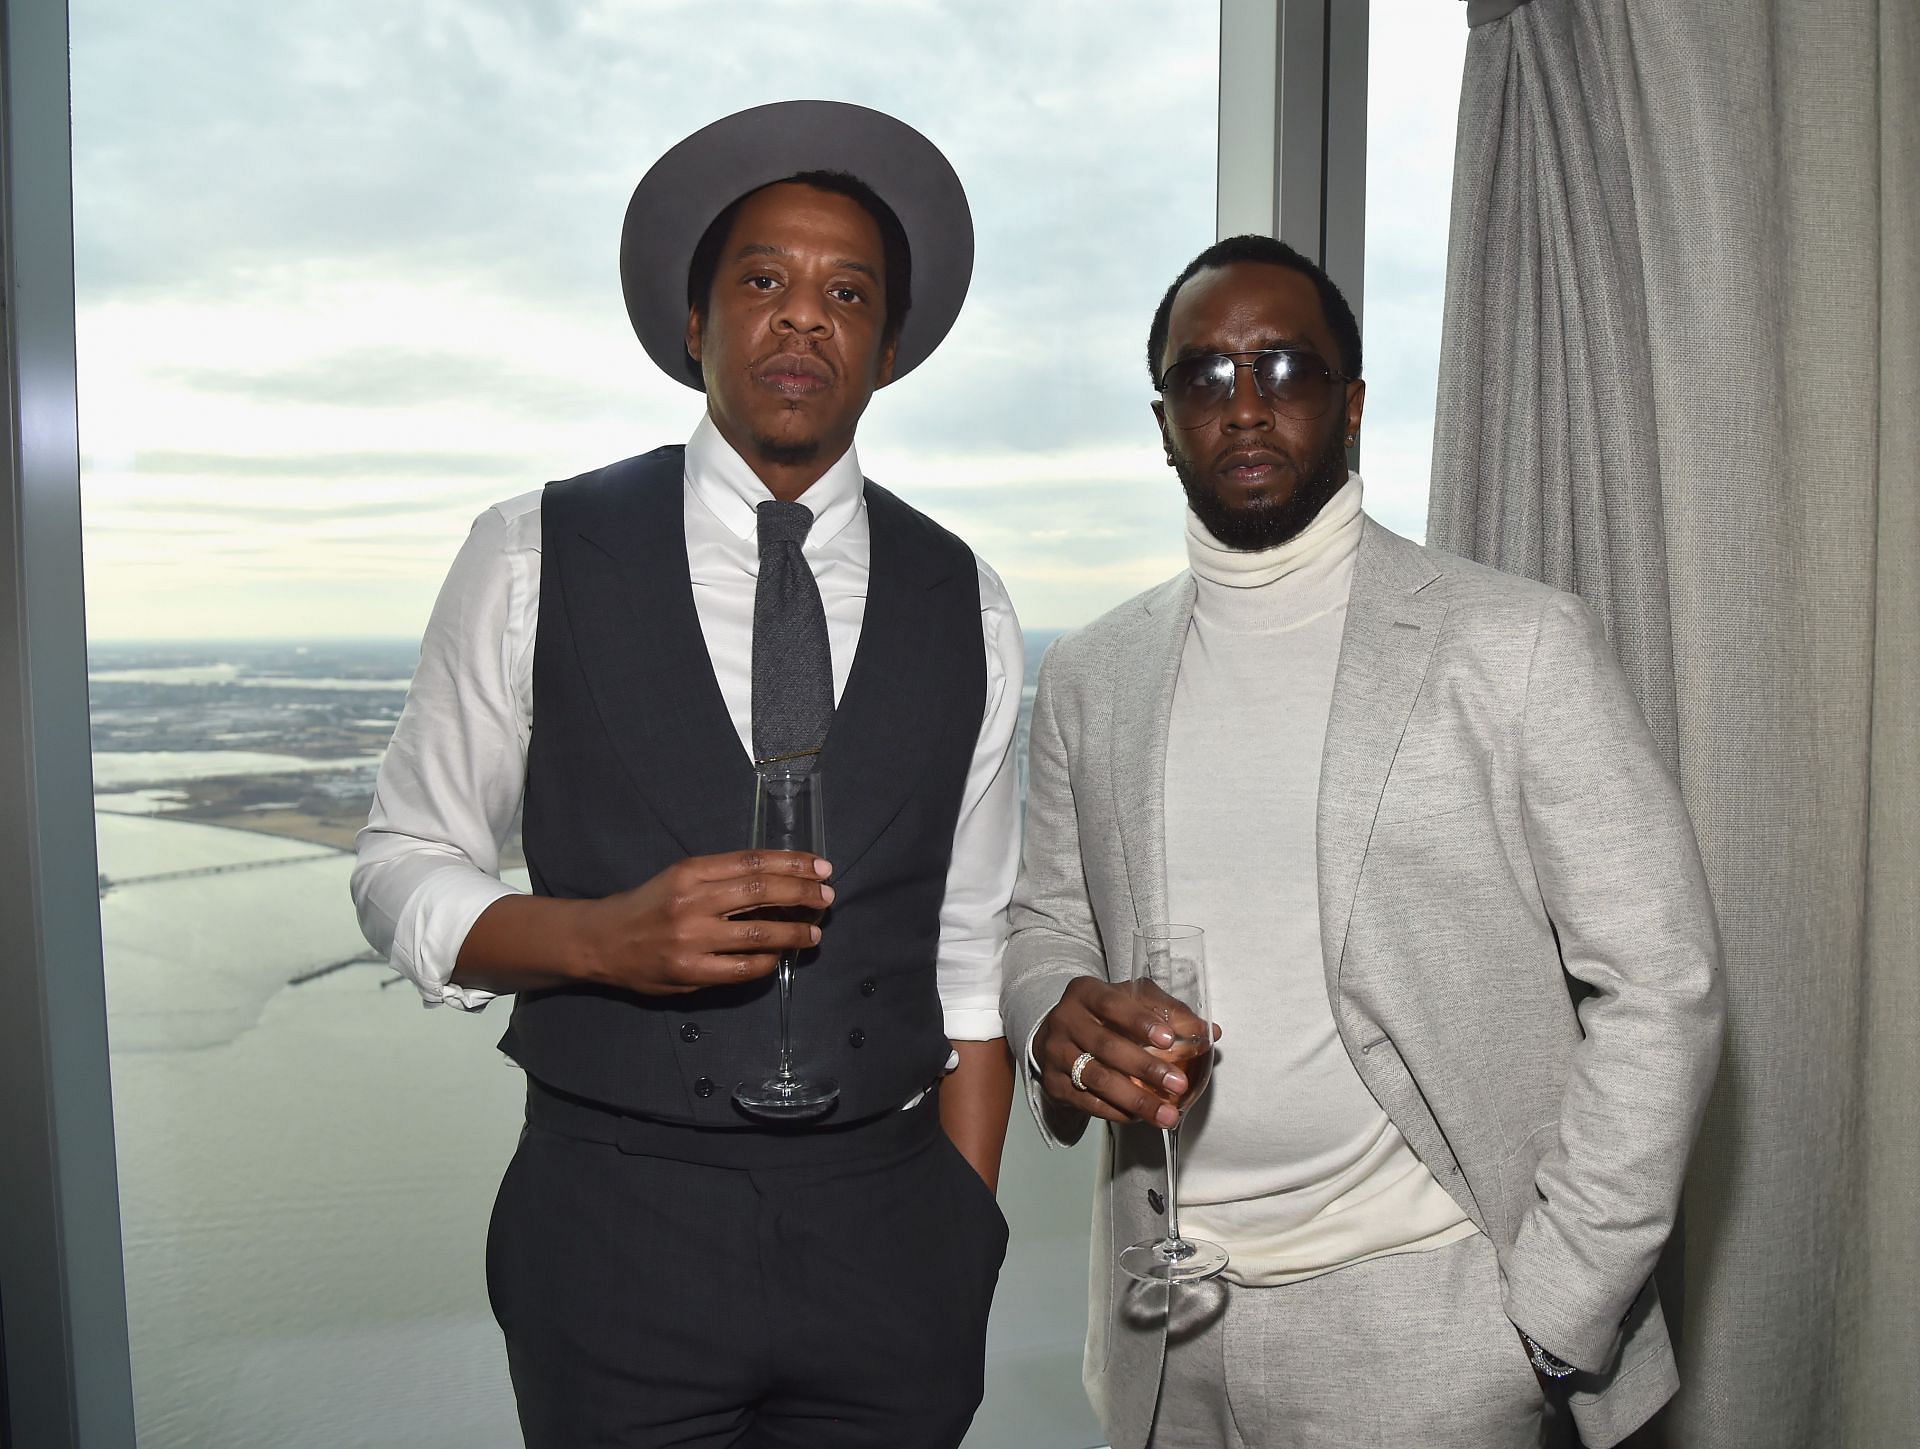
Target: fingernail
[(822, 868), (1174, 1082), (814, 931), (1166, 1117), (826, 894), (1161, 1036)]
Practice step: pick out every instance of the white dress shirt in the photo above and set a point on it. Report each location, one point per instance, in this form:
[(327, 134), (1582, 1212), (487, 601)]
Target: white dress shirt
[(429, 857)]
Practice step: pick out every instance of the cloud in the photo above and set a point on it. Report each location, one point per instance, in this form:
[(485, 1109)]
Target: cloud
[(407, 377), (329, 465), (340, 259)]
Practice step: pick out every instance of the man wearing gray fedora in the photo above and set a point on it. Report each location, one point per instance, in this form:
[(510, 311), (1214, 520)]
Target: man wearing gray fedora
[(615, 656)]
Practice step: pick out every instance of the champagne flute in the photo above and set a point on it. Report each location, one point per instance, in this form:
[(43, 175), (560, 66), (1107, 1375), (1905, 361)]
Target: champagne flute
[(789, 813), (1170, 977)]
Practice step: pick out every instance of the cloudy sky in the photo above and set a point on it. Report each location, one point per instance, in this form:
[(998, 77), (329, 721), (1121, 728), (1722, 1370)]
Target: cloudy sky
[(346, 276)]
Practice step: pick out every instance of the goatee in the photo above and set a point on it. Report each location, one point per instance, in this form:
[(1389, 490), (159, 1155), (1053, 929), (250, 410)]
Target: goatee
[(1253, 527), (787, 455)]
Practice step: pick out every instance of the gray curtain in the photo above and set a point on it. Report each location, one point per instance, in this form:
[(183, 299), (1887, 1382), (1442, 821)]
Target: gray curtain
[(1681, 377)]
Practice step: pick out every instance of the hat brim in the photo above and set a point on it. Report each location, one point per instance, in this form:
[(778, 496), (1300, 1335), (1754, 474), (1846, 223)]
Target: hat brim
[(694, 182)]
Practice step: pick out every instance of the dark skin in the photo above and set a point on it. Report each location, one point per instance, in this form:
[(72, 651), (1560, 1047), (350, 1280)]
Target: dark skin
[(791, 346), (1252, 458), (1249, 456)]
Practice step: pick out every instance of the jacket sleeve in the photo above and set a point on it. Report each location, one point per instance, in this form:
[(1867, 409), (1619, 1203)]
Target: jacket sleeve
[(1620, 875), (1053, 935)]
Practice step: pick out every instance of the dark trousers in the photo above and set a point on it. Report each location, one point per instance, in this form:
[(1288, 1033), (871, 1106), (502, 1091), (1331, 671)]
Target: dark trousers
[(665, 1286)]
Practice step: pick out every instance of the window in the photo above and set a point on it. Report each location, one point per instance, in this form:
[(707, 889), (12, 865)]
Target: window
[(1416, 51), (345, 277)]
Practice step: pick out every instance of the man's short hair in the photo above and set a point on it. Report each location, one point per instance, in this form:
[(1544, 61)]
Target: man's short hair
[(898, 256), (1255, 248)]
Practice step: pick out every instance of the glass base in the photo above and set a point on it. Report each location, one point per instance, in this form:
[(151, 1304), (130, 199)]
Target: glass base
[(1173, 1260), (788, 1096)]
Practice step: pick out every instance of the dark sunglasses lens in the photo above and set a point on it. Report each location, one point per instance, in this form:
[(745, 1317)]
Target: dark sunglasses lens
[(1194, 389), (1294, 382)]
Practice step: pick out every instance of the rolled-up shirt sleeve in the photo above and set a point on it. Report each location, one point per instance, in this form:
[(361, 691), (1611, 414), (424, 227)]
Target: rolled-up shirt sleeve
[(986, 838), (428, 860)]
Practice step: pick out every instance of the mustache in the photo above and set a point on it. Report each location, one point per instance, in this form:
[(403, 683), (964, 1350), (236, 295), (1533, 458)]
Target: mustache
[(804, 361), (1240, 455)]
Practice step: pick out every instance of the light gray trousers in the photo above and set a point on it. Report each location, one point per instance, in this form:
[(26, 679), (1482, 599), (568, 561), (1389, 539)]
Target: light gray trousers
[(1407, 1350)]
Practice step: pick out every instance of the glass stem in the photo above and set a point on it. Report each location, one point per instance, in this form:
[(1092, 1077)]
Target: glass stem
[(1171, 1136), (786, 1016)]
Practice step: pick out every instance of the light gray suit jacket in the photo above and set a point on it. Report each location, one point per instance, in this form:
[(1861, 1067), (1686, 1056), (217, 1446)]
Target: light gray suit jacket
[(1493, 820)]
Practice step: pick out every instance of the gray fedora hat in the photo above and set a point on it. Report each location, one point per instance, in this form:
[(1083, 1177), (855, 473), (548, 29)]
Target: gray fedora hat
[(699, 178)]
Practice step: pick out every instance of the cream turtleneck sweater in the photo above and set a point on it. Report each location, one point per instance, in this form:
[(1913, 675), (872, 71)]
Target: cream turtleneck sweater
[(1287, 1161)]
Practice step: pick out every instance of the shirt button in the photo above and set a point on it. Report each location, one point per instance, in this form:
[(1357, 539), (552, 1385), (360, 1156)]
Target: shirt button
[(856, 1038), (1155, 1201), (703, 1087), (689, 1032), (867, 987)]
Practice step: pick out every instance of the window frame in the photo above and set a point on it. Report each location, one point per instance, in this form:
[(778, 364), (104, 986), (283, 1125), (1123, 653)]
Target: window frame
[(1293, 133), (63, 1318), (1292, 163)]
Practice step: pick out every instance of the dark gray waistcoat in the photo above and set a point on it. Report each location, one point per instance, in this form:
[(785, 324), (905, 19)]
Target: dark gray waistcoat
[(634, 763)]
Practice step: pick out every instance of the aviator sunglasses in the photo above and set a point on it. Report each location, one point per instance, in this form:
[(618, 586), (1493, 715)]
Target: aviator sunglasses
[(1295, 384)]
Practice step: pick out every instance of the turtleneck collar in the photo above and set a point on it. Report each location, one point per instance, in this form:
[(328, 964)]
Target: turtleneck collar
[(1334, 530), (1284, 585)]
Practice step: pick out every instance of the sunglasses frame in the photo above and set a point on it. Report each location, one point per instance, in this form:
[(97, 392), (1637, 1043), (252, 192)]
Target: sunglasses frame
[(1252, 364)]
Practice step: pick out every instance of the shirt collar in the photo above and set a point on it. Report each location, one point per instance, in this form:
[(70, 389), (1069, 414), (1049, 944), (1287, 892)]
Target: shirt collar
[(722, 480)]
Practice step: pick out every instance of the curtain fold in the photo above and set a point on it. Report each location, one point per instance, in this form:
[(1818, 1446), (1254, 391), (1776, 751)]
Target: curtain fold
[(1545, 450), (1680, 376), (1881, 1287)]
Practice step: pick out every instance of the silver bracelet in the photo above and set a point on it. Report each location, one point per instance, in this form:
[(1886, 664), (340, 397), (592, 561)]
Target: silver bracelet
[(1546, 1363)]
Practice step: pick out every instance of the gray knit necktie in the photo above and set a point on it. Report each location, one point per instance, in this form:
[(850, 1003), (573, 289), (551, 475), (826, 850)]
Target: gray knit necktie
[(792, 665)]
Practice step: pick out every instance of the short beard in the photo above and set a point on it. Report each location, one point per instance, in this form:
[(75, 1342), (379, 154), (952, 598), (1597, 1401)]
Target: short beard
[(1265, 525), (786, 455)]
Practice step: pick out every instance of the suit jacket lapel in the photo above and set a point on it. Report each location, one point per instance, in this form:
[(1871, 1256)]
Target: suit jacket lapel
[(630, 605), (1390, 635), (1142, 710)]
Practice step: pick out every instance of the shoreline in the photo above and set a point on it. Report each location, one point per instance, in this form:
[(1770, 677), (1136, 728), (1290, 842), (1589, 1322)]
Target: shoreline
[(324, 808)]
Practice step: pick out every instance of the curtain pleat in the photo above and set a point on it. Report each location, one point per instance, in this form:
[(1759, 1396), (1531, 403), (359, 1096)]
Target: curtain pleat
[(1546, 445)]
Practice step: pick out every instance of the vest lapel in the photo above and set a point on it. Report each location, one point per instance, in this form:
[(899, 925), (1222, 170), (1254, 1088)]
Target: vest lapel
[(895, 694), (629, 602), (1389, 641)]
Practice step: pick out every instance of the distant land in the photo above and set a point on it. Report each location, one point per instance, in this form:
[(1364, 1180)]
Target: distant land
[(281, 737)]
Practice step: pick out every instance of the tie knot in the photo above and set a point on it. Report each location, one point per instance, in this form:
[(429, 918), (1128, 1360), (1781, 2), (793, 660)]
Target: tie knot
[(783, 522)]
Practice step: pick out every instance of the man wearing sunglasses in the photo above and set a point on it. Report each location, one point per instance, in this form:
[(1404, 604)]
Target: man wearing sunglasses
[(1409, 800)]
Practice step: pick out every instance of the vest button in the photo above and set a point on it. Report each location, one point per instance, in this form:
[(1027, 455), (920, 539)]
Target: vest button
[(867, 987), (689, 1032), (856, 1038), (703, 1087), (1155, 1201)]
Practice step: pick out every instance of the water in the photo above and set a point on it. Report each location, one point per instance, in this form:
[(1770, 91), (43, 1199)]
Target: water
[(303, 1208), (306, 1170)]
